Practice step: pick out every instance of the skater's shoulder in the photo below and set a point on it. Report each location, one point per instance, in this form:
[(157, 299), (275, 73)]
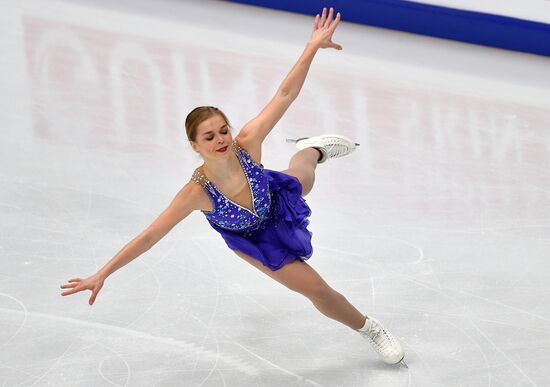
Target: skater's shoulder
[(193, 195)]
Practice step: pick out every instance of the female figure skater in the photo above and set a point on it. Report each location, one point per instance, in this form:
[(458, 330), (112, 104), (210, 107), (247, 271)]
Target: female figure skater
[(260, 213)]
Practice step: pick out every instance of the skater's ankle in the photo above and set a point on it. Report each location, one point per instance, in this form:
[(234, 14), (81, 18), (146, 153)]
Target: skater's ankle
[(364, 324), (321, 154)]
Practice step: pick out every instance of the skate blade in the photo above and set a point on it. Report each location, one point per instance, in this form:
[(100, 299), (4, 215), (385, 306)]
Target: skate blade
[(294, 140), (403, 363)]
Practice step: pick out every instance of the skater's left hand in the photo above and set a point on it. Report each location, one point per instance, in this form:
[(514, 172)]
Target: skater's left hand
[(323, 28)]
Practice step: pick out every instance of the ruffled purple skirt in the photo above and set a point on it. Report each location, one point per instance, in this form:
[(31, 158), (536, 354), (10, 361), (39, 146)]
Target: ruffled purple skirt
[(283, 235)]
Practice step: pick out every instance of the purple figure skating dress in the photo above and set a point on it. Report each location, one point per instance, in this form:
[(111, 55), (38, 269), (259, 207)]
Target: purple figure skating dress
[(275, 231)]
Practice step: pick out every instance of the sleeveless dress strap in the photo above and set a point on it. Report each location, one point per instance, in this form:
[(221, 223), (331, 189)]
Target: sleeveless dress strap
[(243, 155), (236, 147), (199, 178)]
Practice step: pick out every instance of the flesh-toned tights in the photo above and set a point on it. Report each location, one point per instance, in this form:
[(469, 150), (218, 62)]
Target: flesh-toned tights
[(300, 277)]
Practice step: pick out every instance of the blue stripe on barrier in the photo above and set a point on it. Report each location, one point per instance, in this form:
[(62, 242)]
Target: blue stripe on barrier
[(466, 26)]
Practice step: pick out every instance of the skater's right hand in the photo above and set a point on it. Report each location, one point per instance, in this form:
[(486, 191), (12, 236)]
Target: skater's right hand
[(93, 283)]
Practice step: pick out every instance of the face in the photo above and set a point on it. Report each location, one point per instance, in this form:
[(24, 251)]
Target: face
[(213, 138)]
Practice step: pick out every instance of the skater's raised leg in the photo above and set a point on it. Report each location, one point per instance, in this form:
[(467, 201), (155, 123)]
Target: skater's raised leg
[(313, 151), (302, 166)]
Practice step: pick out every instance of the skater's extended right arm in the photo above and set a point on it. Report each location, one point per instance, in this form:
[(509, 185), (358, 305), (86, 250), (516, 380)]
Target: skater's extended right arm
[(188, 199)]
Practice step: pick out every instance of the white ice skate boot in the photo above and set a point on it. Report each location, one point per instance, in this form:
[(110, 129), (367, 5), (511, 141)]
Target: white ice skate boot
[(383, 342), (330, 145)]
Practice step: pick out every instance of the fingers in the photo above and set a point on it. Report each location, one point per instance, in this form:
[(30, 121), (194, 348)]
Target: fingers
[(323, 18), (325, 21), (74, 285), (92, 298), (77, 285), (95, 291), (73, 291), (316, 23), (329, 18), (336, 21)]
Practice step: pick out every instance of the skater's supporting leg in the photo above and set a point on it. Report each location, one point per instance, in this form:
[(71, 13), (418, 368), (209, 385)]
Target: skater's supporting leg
[(302, 166), (302, 278)]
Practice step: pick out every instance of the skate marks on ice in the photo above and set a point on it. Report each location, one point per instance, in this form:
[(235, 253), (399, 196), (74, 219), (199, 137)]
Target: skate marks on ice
[(461, 310), (97, 334)]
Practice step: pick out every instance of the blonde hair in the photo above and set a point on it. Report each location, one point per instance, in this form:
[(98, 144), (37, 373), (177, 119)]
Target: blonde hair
[(199, 115)]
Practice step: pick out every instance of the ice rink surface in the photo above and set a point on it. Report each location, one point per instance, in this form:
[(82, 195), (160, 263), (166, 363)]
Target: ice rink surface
[(438, 225)]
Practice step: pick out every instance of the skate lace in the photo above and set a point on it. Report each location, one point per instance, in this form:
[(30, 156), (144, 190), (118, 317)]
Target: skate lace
[(336, 149), (380, 338)]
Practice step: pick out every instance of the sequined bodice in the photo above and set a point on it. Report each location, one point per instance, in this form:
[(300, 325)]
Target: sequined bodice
[(226, 213)]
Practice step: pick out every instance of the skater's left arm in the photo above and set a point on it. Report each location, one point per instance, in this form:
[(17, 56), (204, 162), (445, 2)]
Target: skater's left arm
[(256, 130)]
